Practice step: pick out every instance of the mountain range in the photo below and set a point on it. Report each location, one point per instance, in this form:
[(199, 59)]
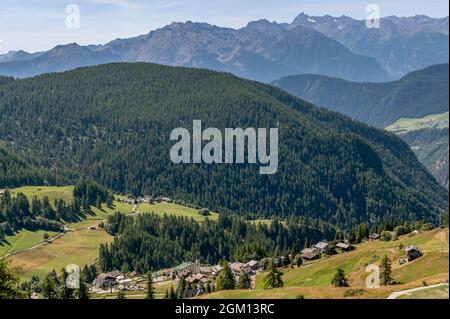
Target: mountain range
[(263, 50), (113, 123), (400, 45)]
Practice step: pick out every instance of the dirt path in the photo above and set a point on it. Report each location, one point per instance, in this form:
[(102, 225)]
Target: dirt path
[(397, 294), (48, 241), (66, 229)]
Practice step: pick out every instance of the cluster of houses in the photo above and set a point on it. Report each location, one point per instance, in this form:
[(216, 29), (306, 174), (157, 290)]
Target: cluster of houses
[(412, 252), (324, 247), (194, 274), (198, 276), (146, 200), (115, 280)]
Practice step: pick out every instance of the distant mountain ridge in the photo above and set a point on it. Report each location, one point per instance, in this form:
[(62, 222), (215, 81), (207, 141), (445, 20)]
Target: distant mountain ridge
[(18, 56), (415, 95), (265, 51), (60, 58), (262, 51)]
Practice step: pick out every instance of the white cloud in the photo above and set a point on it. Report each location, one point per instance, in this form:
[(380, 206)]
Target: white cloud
[(120, 3)]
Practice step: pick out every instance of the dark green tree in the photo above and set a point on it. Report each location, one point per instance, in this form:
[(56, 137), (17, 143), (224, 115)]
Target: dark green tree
[(339, 279), (150, 293), (273, 278), (172, 293), (49, 289), (181, 288), (244, 281), (9, 288), (83, 291), (226, 280), (386, 271), (298, 260)]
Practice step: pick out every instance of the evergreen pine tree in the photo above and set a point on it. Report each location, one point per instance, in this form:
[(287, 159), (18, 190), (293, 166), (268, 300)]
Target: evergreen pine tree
[(273, 277), (244, 281), (226, 280), (48, 288), (181, 288), (83, 291), (8, 282), (339, 279), (386, 271), (172, 294), (150, 294)]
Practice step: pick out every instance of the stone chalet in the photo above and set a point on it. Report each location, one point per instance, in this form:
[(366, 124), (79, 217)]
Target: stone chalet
[(413, 252), (107, 280), (342, 247), (322, 247), (310, 254)]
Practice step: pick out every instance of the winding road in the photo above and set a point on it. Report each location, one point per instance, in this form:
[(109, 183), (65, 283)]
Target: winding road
[(397, 294)]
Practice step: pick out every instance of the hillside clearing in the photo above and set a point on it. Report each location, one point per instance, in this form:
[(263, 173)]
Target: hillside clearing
[(75, 247), (175, 210), (52, 192), (404, 125), (23, 239)]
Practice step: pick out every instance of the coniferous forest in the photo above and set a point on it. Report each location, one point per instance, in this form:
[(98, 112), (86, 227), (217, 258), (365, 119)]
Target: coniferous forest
[(112, 123), (150, 242)]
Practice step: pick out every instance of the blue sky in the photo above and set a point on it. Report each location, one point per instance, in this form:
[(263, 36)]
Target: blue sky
[(35, 25)]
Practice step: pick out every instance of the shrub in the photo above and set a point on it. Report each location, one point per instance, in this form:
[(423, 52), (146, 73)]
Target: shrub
[(386, 236), (401, 230), (354, 292), (426, 227)]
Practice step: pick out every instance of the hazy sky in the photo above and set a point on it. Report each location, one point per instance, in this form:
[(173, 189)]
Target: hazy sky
[(35, 25)]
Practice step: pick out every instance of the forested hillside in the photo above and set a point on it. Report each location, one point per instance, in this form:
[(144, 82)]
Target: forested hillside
[(113, 122), (14, 171), (431, 148)]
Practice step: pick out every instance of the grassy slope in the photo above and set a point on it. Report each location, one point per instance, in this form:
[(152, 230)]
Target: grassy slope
[(426, 138), (405, 125), (75, 247), (174, 209), (23, 240), (79, 245), (57, 192), (313, 279)]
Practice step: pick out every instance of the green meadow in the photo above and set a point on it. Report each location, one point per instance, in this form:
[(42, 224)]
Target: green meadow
[(405, 125)]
